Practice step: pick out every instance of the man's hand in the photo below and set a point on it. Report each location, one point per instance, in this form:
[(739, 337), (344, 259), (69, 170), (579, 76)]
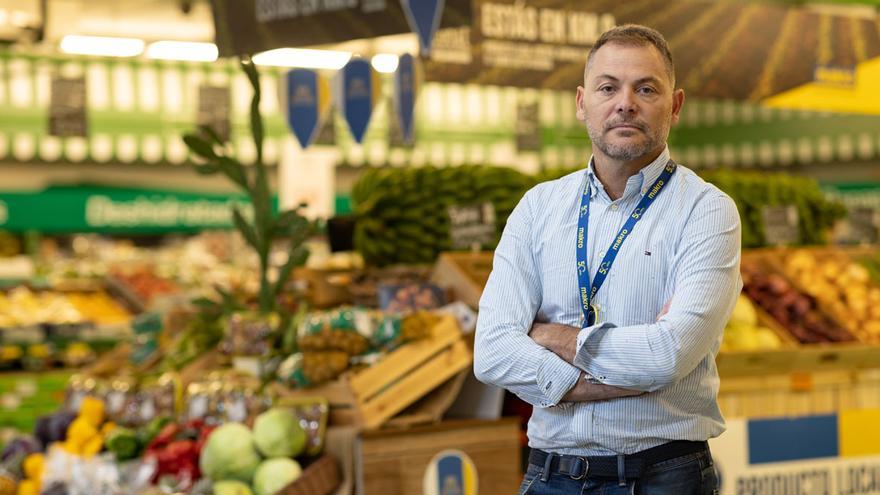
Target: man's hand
[(561, 339), (584, 391), (664, 310)]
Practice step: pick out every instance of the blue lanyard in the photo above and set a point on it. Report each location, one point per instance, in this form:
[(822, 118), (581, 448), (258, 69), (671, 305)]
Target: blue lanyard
[(587, 290)]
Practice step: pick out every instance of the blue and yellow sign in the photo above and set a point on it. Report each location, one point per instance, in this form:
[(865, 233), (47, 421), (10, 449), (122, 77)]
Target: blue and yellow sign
[(423, 17), (306, 98), (360, 90), (405, 87), (833, 454), (450, 472)]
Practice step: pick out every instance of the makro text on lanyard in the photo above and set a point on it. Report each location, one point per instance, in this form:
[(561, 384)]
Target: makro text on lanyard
[(587, 290)]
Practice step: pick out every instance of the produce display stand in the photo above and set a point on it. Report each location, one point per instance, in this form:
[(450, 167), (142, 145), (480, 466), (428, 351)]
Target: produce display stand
[(394, 461), (394, 410), (373, 396)]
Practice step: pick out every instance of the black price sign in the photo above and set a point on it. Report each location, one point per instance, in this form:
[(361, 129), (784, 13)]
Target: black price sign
[(780, 225), (864, 224), (67, 108), (528, 128), (214, 109), (472, 226)]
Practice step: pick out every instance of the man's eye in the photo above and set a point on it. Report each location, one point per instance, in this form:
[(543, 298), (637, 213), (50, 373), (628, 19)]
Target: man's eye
[(606, 89), (647, 90)]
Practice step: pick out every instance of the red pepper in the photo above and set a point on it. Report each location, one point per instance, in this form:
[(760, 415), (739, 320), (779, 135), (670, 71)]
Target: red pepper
[(165, 436)]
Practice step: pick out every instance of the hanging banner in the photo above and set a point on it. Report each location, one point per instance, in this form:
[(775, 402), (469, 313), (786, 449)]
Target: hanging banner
[(305, 99), (360, 88), (424, 19), (723, 50), (405, 87), (249, 26)]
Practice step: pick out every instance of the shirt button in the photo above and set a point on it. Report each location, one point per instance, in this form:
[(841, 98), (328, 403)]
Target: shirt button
[(644, 191), (613, 206), (601, 254)]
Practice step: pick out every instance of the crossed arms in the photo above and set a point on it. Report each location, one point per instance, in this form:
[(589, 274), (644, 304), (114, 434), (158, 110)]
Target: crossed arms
[(544, 364)]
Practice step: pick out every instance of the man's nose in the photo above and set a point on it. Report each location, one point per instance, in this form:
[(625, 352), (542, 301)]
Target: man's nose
[(626, 102)]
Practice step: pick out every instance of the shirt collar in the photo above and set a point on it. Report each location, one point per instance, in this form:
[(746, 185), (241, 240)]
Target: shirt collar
[(638, 182)]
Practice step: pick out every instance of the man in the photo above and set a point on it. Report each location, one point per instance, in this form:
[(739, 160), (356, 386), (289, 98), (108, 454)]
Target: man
[(609, 293)]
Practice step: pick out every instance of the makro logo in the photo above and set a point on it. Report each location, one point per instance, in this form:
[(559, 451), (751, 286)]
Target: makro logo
[(619, 240), (656, 189), (581, 238), (4, 213)]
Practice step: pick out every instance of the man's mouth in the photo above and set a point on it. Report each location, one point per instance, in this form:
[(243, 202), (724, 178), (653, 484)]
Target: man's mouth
[(631, 127)]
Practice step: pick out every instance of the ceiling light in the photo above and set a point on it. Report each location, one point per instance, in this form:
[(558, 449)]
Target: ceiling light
[(182, 50), (102, 46), (299, 57), (385, 62)]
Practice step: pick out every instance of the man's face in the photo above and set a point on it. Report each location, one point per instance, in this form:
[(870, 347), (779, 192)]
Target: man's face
[(627, 102)]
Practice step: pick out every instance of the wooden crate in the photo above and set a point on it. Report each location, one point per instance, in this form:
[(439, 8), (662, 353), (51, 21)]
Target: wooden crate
[(371, 397), (465, 273), (393, 462), (799, 393)]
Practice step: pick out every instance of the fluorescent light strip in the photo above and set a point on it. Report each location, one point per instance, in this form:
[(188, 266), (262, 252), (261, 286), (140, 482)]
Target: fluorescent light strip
[(385, 62), (182, 50), (305, 58), (102, 46)]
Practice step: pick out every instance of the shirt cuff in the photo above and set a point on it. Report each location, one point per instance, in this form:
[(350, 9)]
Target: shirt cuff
[(583, 357), (555, 378), (586, 358)]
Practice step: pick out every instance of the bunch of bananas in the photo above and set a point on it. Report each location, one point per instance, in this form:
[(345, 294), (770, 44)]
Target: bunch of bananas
[(403, 214)]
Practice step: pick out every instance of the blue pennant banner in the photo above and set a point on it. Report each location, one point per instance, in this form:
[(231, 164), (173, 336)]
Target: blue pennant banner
[(405, 91), (306, 98), (424, 19), (360, 89)]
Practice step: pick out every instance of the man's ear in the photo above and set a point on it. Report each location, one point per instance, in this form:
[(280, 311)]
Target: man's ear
[(677, 103), (581, 110)]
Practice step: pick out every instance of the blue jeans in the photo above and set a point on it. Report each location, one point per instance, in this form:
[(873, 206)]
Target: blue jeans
[(692, 474)]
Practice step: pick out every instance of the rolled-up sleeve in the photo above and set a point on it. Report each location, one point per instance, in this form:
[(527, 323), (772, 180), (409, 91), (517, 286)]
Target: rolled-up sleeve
[(504, 354), (706, 280)]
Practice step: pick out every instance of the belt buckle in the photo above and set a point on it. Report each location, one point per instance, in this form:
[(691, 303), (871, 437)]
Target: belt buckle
[(586, 465)]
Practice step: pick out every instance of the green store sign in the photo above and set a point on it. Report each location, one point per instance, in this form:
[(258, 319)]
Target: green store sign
[(104, 209)]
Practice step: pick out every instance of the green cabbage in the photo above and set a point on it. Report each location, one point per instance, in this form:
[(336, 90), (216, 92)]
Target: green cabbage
[(275, 474), (277, 433), (229, 454), (232, 488)]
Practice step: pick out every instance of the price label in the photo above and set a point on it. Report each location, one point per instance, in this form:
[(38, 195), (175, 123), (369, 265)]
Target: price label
[(528, 128), (780, 225), (864, 225), (472, 226), (67, 108), (214, 109)]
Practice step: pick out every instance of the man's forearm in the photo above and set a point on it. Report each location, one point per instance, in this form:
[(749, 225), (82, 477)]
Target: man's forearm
[(585, 391), (562, 341), (556, 337)]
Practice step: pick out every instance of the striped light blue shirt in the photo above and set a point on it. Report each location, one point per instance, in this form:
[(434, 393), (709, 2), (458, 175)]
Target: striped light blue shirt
[(685, 249)]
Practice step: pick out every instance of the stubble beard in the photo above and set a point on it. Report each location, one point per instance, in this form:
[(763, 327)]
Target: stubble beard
[(631, 150)]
